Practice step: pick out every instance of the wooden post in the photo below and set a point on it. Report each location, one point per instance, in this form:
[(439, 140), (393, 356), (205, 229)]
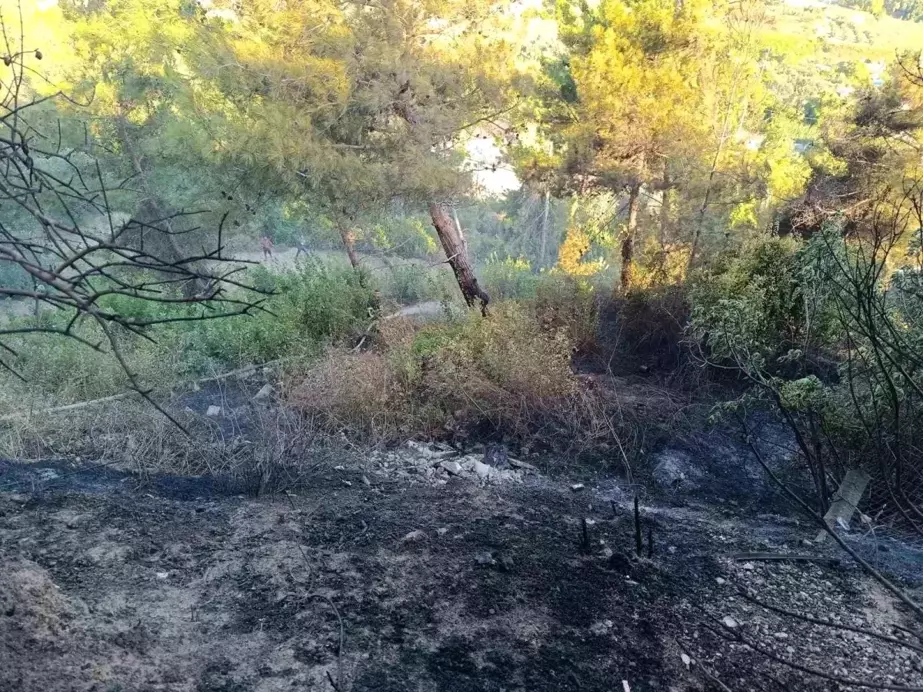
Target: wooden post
[(846, 501)]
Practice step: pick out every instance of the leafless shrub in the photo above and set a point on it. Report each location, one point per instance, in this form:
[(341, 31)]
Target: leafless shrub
[(52, 197)]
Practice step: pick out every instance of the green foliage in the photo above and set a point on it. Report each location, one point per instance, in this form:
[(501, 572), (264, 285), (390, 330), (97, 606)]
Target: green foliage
[(910, 10), (313, 305), (509, 279), (750, 308)]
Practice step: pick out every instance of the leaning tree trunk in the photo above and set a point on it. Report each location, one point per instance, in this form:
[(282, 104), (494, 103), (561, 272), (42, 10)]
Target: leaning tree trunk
[(349, 242), (628, 244), (453, 242)]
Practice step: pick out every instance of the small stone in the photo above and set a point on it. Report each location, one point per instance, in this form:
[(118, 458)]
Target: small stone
[(265, 393), (453, 467), (213, 411), (577, 487), (484, 558), (347, 483), (366, 481), (781, 635), (729, 622), (482, 470), (413, 536), (47, 474), (162, 575), (516, 463), (442, 531), (749, 566), (721, 581)]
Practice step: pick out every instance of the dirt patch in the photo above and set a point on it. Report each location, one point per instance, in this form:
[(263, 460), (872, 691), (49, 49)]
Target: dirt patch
[(373, 582)]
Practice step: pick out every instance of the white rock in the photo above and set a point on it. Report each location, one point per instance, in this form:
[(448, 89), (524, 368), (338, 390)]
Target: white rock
[(729, 622), (576, 487), (749, 566), (721, 581), (467, 462), (482, 469), (213, 411), (414, 536), (266, 392), (452, 467)]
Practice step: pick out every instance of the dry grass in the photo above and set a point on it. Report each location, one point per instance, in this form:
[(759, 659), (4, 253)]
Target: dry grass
[(255, 450), (505, 377)]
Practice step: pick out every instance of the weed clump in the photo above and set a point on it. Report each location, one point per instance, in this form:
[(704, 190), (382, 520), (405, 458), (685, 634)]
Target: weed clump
[(505, 373)]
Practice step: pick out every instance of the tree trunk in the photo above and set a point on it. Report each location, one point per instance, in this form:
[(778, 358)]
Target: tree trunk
[(628, 244), (453, 242), (349, 242), (542, 257), (449, 232), (665, 209), (156, 208)]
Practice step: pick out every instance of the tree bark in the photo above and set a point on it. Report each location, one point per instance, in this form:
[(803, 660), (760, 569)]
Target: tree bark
[(349, 242), (450, 234), (453, 242), (628, 243), (542, 258), (665, 208), (155, 206)]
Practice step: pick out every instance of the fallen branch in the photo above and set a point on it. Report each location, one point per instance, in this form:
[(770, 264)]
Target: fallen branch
[(828, 623), (786, 557)]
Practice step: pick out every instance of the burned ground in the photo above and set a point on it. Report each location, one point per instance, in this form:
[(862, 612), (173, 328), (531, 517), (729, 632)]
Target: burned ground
[(364, 580)]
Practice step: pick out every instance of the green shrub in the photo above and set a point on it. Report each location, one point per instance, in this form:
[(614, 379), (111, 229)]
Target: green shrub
[(312, 305), (751, 303), (509, 279), (406, 284)]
